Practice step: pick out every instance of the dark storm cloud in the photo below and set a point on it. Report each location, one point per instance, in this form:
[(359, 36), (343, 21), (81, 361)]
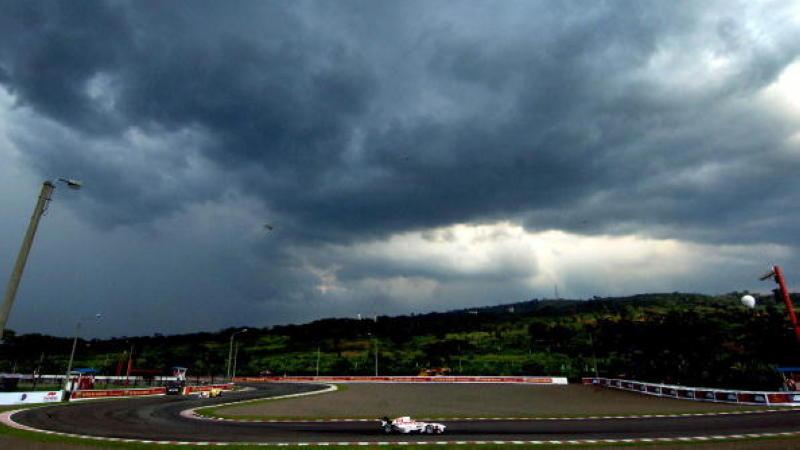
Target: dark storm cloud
[(551, 112), (268, 92), (347, 121), (51, 49)]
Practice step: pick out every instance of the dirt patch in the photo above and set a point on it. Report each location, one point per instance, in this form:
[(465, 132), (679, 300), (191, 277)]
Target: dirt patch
[(471, 400)]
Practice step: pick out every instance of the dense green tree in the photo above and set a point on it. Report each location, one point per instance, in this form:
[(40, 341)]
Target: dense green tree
[(683, 338)]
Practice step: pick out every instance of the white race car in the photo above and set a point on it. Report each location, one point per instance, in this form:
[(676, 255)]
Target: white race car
[(407, 425)]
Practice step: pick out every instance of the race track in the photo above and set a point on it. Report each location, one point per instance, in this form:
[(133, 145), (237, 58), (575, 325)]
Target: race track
[(159, 419)]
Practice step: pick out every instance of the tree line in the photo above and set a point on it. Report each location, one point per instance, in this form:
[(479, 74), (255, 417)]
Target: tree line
[(672, 337)]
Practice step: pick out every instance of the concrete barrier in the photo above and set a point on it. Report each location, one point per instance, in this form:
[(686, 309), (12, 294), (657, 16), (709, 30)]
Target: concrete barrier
[(403, 379), (701, 394)]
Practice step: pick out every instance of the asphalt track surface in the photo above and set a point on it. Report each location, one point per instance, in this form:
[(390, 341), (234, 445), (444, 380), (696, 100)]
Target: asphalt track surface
[(159, 419)]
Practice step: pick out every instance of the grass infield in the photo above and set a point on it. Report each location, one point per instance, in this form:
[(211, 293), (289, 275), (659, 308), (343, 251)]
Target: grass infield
[(368, 401)]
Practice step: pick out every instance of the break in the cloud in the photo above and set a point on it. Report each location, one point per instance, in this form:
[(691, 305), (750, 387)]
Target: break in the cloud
[(410, 156)]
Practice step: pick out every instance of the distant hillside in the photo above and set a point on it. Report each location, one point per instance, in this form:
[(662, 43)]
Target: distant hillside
[(686, 338)]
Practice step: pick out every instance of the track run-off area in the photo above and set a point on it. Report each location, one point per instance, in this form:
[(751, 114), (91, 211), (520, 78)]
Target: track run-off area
[(594, 416)]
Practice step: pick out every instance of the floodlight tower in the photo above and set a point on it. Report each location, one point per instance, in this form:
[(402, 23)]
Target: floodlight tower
[(777, 274), (230, 349), (16, 275)]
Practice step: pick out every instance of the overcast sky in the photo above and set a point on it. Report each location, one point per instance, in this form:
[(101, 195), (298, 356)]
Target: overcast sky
[(409, 156)]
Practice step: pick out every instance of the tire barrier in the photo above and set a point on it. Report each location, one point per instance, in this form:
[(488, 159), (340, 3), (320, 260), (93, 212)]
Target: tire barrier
[(401, 379), (774, 398)]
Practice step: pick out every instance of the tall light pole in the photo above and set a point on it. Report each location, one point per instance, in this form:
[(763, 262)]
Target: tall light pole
[(375, 342), (375, 338), (27, 242), (594, 355), (318, 349), (376, 356), (230, 349), (235, 358), (74, 345)]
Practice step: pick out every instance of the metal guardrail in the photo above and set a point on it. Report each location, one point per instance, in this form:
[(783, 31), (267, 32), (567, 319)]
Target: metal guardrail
[(703, 394)]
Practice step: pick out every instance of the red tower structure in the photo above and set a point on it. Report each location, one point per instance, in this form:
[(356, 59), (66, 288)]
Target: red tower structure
[(777, 274)]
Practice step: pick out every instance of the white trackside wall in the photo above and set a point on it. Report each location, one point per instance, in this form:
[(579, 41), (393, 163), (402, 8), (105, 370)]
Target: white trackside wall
[(26, 398), (701, 394), (403, 379)]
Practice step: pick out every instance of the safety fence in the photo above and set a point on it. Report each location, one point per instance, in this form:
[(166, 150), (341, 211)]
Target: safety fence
[(42, 382), (402, 379), (109, 378), (778, 398)]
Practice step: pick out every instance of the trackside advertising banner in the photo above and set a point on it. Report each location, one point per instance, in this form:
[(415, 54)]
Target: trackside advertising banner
[(111, 393), (23, 398), (700, 393), (389, 379)]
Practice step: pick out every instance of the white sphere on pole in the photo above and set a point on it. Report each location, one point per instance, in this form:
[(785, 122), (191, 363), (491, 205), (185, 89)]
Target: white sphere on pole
[(749, 301)]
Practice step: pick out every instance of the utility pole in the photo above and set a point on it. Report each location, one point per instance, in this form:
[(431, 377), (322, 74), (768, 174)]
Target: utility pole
[(594, 356), (230, 349), (38, 371), (130, 366), (235, 357), (24, 251), (376, 356), (375, 336), (317, 360), (72, 355)]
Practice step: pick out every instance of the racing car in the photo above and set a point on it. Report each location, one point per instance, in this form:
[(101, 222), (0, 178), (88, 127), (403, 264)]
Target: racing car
[(214, 392), (407, 425)]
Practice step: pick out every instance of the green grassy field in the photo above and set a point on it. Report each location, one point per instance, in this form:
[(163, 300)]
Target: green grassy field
[(465, 400)]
